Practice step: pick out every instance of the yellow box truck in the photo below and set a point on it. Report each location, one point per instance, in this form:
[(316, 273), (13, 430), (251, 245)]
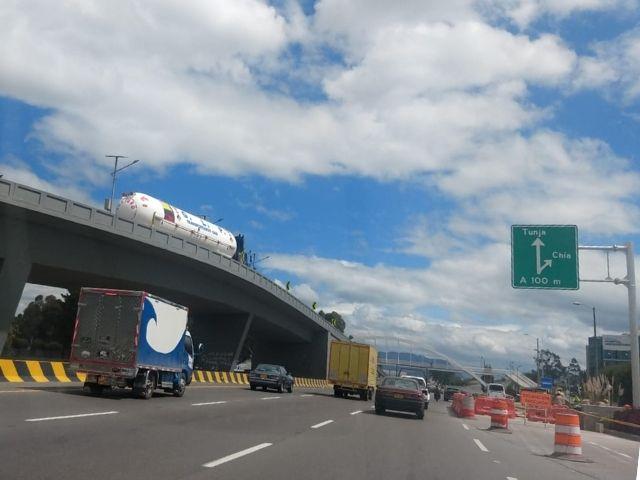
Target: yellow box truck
[(353, 369)]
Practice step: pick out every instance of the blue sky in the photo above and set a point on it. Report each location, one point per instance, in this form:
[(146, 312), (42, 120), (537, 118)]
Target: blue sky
[(376, 155)]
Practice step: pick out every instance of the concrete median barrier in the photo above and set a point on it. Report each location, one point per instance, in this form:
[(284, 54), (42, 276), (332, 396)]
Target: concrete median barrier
[(40, 371)]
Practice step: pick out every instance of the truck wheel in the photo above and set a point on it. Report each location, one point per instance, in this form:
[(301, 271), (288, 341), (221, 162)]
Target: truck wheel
[(264, 389), (94, 388), (420, 414), (370, 395), (146, 392), (364, 395), (337, 392), (179, 389)]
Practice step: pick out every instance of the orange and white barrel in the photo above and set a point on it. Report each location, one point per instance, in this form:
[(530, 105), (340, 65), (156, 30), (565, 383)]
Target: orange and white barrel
[(468, 406), (568, 439), (499, 413)]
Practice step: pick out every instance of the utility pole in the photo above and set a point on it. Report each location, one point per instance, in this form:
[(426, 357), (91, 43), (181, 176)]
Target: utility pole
[(538, 359), (594, 320)]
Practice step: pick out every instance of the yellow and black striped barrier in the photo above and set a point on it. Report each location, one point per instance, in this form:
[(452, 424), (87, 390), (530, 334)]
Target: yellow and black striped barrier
[(40, 371)]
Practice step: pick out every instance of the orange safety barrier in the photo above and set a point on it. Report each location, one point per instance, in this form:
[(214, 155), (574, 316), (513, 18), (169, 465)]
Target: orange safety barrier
[(499, 413), (568, 440), (511, 407), (483, 405), (468, 407)]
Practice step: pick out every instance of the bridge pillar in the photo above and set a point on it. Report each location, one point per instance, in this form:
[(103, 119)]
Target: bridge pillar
[(14, 273)]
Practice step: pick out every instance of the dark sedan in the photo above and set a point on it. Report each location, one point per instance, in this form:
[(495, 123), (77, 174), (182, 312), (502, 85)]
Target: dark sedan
[(403, 394), (449, 391), (271, 376)]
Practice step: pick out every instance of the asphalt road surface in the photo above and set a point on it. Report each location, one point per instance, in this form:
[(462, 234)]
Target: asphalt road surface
[(218, 432)]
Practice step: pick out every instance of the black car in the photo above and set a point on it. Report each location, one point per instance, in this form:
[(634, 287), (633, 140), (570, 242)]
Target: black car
[(271, 376), (449, 391), (400, 393)]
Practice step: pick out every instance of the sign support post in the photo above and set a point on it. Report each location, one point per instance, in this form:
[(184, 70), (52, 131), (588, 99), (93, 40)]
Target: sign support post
[(630, 282)]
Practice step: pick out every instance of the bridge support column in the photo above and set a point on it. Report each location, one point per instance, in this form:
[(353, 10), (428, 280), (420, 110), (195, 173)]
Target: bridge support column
[(307, 359), (243, 337), (14, 273)]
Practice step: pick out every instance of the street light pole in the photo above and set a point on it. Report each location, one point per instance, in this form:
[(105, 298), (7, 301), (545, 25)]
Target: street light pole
[(113, 175)]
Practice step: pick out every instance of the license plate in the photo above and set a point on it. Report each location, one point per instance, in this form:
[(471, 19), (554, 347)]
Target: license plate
[(263, 376), (397, 395)]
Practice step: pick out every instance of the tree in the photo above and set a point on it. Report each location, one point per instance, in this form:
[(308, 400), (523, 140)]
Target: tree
[(574, 375), (335, 319), (551, 366), (44, 328)]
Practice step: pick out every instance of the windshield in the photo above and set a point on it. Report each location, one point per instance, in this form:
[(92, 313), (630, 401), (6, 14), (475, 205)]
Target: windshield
[(331, 197), (405, 383), (267, 368)]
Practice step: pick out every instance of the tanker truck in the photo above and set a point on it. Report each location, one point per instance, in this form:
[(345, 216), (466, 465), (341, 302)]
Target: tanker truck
[(131, 339)]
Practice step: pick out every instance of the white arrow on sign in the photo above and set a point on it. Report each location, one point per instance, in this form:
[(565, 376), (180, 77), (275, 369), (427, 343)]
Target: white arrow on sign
[(547, 263)]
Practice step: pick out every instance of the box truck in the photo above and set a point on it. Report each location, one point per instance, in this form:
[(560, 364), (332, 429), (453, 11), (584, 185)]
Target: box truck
[(353, 369), (131, 339)]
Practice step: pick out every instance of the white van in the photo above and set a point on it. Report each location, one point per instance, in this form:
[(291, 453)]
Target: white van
[(495, 390)]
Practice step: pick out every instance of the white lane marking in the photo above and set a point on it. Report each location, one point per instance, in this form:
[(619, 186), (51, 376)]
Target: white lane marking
[(239, 454), (356, 412), (322, 424), (19, 391), (208, 403), (610, 450), (68, 416), (512, 478), (465, 426), (480, 445), (306, 395), (269, 398)]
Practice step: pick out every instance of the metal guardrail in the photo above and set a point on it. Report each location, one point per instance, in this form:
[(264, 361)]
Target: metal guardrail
[(70, 210)]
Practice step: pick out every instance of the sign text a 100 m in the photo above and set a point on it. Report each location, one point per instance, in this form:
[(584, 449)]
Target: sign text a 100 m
[(544, 256)]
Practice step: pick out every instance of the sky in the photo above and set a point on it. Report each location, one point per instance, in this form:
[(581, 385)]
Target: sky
[(373, 153)]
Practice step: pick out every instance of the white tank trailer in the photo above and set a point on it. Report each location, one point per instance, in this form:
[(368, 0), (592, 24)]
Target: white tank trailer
[(146, 210)]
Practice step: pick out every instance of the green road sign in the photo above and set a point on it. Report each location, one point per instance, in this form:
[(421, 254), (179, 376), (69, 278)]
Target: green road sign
[(544, 256)]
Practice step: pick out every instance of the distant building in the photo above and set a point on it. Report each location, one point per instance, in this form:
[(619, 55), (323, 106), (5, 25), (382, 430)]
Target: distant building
[(607, 350)]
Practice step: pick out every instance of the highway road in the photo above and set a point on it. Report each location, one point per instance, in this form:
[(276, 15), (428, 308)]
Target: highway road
[(215, 432)]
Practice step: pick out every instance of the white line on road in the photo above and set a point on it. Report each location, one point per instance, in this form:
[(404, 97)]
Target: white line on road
[(356, 412), (480, 445), (19, 391), (68, 416), (233, 456), (610, 450), (269, 398), (465, 426), (306, 395), (208, 403), (322, 424), (512, 478)]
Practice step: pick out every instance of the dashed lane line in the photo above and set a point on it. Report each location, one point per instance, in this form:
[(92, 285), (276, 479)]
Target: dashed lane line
[(512, 478), (611, 450), (480, 445), (208, 403), (64, 417), (306, 395), (356, 412), (269, 398), (236, 455), (322, 424), (465, 426)]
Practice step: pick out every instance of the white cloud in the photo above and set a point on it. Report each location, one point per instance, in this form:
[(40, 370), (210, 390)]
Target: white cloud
[(615, 67), (483, 314), (524, 12)]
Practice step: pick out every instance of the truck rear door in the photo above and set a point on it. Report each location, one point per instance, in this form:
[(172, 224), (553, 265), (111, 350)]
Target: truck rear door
[(107, 328)]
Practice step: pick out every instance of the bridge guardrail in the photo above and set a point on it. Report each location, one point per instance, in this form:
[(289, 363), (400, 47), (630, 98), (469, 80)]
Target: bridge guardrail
[(44, 202)]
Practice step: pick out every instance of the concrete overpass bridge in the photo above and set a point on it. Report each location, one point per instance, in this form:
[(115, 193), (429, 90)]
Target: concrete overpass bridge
[(234, 310)]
